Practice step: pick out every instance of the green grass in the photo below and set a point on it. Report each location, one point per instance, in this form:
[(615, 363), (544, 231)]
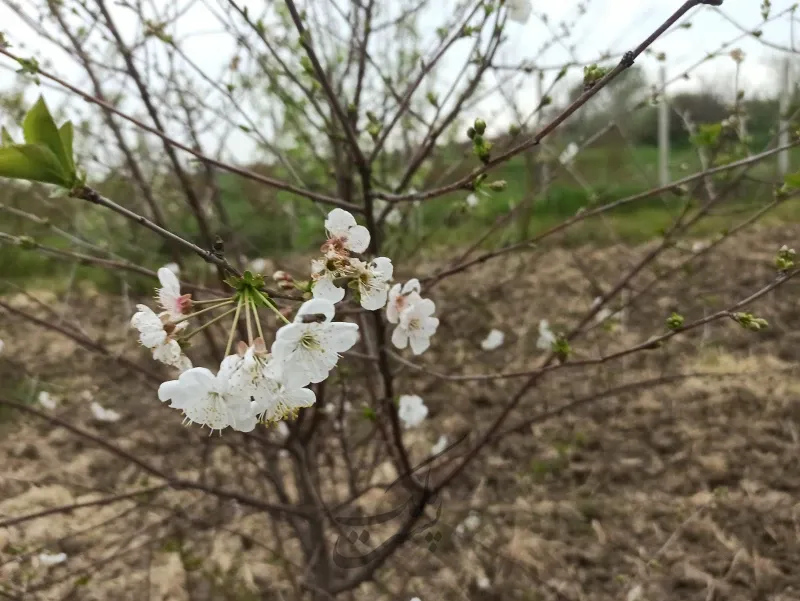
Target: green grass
[(261, 217)]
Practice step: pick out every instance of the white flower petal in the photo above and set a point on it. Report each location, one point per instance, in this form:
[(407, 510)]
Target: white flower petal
[(411, 410), (494, 339), (325, 289), (52, 559)]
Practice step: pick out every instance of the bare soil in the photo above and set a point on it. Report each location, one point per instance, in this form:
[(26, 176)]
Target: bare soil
[(622, 480)]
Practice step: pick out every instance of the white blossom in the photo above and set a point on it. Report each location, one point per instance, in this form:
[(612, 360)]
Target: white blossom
[(332, 408), (174, 268), (373, 282), (308, 349), (483, 582), (569, 154), (700, 245), (440, 445), (51, 559), (153, 335), (324, 286), (2, 346), (102, 414), (606, 312), (46, 401), (546, 336), (205, 398), (170, 299), (257, 377), (257, 265), (282, 430), (472, 200), (494, 339), (344, 232), (411, 410), (519, 10), (471, 523), (416, 326), (401, 297), (393, 217)]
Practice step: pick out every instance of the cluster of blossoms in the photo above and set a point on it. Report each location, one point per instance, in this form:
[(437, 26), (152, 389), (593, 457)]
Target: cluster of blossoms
[(369, 282), (255, 383)]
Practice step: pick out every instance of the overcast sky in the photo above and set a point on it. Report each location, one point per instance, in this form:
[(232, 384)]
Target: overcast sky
[(607, 26)]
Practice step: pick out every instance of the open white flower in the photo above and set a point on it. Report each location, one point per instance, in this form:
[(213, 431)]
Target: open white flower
[(102, 414), (519, 10), (546, 336), (411, 410), (345, 233), (440, 445), (174, 268), (373, 282), (308, 349), (494, 339), (46, 401), (153, 335), (401, 297), (472, 200), (206, 399), (416, 326), (324, 286), (259, 379), (51, 559), (169, 297)]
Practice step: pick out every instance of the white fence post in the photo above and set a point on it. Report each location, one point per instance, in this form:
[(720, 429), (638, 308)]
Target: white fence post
[(663, 131), (544, 167), (783, 132)]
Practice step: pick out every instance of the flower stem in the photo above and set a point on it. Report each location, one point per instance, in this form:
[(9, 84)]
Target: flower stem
[(272, 306), (233, 327), (212, 300), (208, 323), (255, 316), (201, 311), (247, 319)]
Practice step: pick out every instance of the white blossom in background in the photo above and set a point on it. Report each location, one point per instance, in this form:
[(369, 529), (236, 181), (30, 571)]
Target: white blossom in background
[(606, 313), (373, 282), (46, 401), (546, 336), (471, 523), (102, 414), (402, 297), (494, 339), (332, 408), (169, 297), (173, 267), (483, 582), (519, 10), (205, 398), (393, 217), (345, 233), (282, 430), (52, 559), (700, 245), (440, 445), (307, 350), (411, 410), (416, 326), (2, 346), (472, 200), (569, 154), (257, 265)]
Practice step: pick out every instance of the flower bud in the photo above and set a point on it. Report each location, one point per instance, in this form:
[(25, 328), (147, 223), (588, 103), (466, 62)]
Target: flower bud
[(282, 276), (480, 125), (498, 185), (471, 133)]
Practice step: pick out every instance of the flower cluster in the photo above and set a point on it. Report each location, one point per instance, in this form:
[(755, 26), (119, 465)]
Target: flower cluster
[(256, 383)]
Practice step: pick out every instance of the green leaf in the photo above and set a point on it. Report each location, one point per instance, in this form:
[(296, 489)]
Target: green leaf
[(65, 133), (5, 138), (792, 181), (39, 128), (31, 162)]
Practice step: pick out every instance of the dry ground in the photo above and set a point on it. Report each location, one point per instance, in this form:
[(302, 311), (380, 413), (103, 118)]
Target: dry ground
[(684, 490)]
